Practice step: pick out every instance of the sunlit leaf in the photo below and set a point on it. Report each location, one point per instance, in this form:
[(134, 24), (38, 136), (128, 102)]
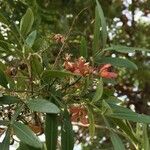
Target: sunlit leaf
[(42, 105), (26, 22), (31, 38), (99, 91)]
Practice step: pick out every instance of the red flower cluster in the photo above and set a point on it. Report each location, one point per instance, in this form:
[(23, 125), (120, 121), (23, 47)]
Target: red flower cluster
[(106, 73), (81, 67), (78, 114)]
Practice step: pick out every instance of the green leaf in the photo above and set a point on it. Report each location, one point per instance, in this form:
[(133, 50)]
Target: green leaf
[(116, 141), (6, 47), (125, 49), (36, 65), (26, 135), (118, 62), (83, 48), (4, 122), (3, 80), (91, 122), (51, 131), (26, 22), (126, 129), (18, 110), (48, 74), (103, 24), (125, 113), (8, 100), (106, 109), (67, 135), (99, 91), (6, 141), (3, 19), (146, 142), (96, 40), (31, 38), (42, 105), (23, 146)]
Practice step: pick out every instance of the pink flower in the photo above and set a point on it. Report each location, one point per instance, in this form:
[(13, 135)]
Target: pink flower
[(105, 72), (80, 66)]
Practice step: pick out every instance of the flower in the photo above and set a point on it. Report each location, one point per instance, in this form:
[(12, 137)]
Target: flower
[(80, 66), (78, 114), (105, 72)]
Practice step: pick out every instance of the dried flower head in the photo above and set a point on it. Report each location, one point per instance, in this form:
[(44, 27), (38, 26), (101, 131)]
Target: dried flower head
[(105, 72), (59, 38)]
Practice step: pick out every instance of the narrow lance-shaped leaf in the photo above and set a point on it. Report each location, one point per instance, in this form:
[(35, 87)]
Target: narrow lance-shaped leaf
[(6, 99), (36, 65), (126, 129), (125, 49), (67, 135), (83, 48), (146, 142), (3, 80), (49, 74), (6, 141), (3, 19), (23, 146), (99, 91), (103, 24), (42, 105), (51, 131), (26, 135), (118, 62), (26, 22), (91, 122), (96, 40), (31, 38), (116, 141), (125, 113)]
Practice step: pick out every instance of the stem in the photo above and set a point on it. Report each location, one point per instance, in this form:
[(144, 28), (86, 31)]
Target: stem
[(67, 36)]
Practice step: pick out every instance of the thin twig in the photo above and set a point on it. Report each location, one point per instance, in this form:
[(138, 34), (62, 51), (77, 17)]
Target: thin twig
[(67, 36)]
